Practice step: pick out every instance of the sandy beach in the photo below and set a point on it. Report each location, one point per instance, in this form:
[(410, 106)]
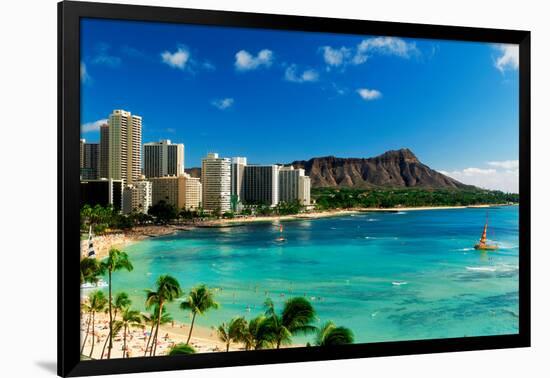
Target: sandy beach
[(102, 243), (203, 339)]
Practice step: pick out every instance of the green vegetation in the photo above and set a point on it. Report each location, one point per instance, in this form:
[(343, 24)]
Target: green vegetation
[(329, 334), (163, 212), (117, 260), (96, 303), (233, 331), (181, 348), (168, 289), (199, 301), (345, 198)]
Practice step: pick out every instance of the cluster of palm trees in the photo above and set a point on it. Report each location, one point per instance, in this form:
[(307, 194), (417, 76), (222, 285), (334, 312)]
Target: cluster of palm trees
[(273, 330), (268, 330)]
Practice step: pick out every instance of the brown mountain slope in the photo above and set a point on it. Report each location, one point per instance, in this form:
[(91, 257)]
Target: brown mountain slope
[(396, 168)]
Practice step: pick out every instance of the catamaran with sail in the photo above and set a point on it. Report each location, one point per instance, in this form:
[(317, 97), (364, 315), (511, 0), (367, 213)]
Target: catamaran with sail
[(482, 245)]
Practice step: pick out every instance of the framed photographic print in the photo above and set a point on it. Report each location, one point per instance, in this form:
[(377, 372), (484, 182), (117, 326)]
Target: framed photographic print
[(256, 189)]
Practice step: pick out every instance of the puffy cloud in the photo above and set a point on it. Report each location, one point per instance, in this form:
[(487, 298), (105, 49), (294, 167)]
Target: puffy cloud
[(92, 126), (369, 94), (244, 61), (503, 175), (508, 58), (506, 164), (336, 57), (292, 74), (177, 59), (223, 103)]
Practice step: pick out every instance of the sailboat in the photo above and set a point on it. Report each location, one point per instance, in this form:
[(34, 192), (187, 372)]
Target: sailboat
[(482, 245), (281, 238), (91, 251)]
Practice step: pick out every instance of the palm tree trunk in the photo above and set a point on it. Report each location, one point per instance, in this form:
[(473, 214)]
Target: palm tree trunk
[(227, 346), (278, 343), (149, 338), (93, 334), (124, 344), (87, 332), (191, 329), (108, 337), (110, 317), (154, 351)]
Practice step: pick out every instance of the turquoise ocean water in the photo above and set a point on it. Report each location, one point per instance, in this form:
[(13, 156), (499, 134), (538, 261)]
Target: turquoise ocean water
[(387, 276)]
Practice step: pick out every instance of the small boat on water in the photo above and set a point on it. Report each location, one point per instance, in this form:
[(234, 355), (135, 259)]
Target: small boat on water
[(482, 245), (281, 238)]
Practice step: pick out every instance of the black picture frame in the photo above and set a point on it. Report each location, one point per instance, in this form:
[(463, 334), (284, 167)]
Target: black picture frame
[(69, 15)]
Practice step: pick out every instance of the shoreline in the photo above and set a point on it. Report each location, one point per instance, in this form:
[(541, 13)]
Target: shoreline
[(121, 239), (218, 223)]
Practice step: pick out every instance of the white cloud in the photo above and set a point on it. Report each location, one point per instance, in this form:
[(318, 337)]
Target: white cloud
[(369, 94), (506, 164), (244, 61), (84, 76), (103, 56), (508, 58), (503, 175), (223, 103), (92, 126), (336, 57), (177, 59), (292, 74)]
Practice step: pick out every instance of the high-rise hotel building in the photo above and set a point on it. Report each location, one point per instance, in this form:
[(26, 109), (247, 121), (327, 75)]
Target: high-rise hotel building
[(124, 146), (294, 185), (137, 197), (237, 175), (261, 185), (104, 151), (163, 159), (216, 183), (89, 160), (183, 192)]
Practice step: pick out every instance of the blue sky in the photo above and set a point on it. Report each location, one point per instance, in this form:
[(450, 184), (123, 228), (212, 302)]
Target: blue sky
[(278, 96)]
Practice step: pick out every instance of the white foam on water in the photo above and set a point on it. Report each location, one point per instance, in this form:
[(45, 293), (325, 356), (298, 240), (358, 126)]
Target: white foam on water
[(401, 212), (399, 283), (481, 268)]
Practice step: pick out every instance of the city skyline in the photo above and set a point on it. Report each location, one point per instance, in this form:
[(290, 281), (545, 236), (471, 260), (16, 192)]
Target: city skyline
[(261, 86)]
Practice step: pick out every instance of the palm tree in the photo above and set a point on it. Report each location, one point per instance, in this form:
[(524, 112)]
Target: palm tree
[(117, 260), (130, 318), (181, 349), (329, 334), (296, 318), (122, 301), (96, 303), (168, 289), (232, 332), (199, 301), (256, 335), (90, 270), (152, 318)]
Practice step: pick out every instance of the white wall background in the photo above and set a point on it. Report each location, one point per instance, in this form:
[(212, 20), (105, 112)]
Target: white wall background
[(28, 126)]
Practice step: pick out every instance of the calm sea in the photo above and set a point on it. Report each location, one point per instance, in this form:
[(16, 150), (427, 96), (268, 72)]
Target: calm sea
[(387, 276)]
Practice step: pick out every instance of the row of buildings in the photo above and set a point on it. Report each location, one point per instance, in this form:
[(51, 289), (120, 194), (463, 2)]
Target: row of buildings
[(122, 172)]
